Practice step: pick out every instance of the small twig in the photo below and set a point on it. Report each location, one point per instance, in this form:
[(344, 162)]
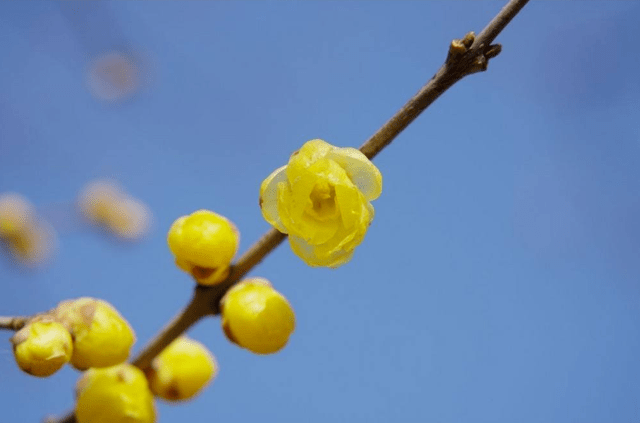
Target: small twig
[(466, 56), (13, 323)]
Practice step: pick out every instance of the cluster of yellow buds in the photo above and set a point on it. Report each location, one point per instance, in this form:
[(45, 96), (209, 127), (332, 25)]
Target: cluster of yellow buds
[(30, 239), (85, 332), (254, 315), (106, 204), (321, 199), (125, 394)]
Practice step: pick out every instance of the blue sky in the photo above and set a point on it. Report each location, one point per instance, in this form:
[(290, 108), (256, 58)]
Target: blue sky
[(500, 279)]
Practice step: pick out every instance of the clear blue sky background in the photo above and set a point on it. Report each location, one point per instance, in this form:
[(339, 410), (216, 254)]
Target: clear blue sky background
[(500, 279)]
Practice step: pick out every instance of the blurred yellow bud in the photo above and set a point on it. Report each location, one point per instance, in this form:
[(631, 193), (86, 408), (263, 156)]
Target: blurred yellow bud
[(130, 218), (204, 243), (16, 214), (181, 370), (105, 203), (98, 198), (101, 336), (118, 394), (257, 317), (34, 245), (42, 347)]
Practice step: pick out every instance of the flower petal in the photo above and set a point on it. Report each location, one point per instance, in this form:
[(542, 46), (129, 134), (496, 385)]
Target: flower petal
[(292, 210), (269, 197), (309, 153), (364, 174), (308, 253)]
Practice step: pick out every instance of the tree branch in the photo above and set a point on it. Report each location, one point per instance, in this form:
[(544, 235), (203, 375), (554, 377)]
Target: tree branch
[(466, 56), (13, 323)]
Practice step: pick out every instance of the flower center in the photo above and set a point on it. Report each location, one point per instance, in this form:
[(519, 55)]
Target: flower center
[(323, 200)]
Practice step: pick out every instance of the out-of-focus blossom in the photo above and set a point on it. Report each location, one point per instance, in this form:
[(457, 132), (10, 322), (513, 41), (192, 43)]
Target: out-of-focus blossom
[(28, 237), (106, 204), (113, 77), (16, 214)]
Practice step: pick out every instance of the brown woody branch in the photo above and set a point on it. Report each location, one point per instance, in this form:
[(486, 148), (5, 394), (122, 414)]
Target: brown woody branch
[(466, 56), (13, 323)]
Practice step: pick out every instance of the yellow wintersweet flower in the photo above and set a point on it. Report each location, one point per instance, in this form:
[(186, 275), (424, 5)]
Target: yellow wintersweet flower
[(181, 370), (257, 317), (101, 336), (42, 347), (321, 199), (204, 243), (118, 394)]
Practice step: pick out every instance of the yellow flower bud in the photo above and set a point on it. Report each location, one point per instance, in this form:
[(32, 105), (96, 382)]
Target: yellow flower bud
[(118, 394), (16, 214), (181, 370), (204, 243), (321, 199), (101, 336), (257, 317), (42, 347)]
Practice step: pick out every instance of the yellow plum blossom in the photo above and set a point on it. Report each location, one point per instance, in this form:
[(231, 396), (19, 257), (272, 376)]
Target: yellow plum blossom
[(118, 394), (181, 370), (42, 347), (101, 336), (257, 317), (204, 243), (321, 199)]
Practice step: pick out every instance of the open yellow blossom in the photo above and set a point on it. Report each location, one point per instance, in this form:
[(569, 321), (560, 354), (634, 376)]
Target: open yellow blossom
[(42, 347), (257, 317), (101, 336), (204, 243), (321, 199), (117, 394), (181, 370)]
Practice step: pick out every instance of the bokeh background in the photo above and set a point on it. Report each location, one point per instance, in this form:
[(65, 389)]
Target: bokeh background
[(500, 280)]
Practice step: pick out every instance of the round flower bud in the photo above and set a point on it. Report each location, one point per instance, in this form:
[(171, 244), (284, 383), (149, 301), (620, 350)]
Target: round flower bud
[(181, 370), (118, 394), (101, 336), (42, 347), (16, 214), (204, 244), (257, 317)]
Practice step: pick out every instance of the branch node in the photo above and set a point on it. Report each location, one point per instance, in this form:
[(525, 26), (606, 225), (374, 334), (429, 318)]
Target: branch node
[(458, 48)]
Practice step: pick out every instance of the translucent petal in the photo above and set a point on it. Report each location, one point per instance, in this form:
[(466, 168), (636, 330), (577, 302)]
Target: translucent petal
[(308, 254), (308, 154), (269, 197), (349, 201), (364, 174)]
